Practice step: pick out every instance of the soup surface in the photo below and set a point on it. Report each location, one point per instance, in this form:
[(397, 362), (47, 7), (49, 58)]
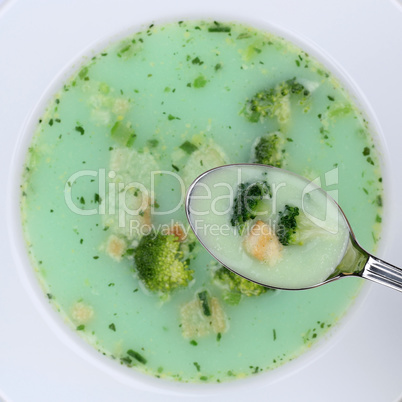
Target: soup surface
[(106, 175)]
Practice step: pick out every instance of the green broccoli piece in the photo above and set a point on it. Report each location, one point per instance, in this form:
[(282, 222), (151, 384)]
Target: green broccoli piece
[(269, 150), (271, 102), (246, 202), (262, 104), (295, 228), (159, 263), (293, 87), (287, 224), (236, 284)]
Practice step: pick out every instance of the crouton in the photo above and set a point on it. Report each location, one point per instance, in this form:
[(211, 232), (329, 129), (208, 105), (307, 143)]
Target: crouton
[(82, 313), (195, 323), (263, 244), (115, 247)]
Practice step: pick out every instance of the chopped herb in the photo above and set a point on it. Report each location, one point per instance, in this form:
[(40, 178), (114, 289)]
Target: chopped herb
[(331, 98), (274, 333), (243, 35), (204, 378), (217, 27), (82, 200), (97, 198), (378, 219), (80, 327), (171, 117), (80, 130), (197, 366), (203, 296), (218, 336), (95, 257), (370, 160), (297, 63), (175, 168), (256, 369), (197, 60), (83, 73), (366, 151), (193, 342), (188, 147), (365, 190), (218, 66), (81, 241), (126, 360), (124, 50), (111, 284), (137, 356), (51, 122), (379, 200), (112, 327), (153, 143)]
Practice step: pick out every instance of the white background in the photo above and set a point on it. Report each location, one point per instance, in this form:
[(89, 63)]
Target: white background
[(38, 38)]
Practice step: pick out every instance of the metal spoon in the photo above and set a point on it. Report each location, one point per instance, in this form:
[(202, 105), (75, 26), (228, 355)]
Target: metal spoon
[(356, 261)]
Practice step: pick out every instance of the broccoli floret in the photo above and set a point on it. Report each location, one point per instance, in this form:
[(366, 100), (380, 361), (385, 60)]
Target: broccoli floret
[(287, 224), (273, 101), (295, 228), (159, 263), (269, 150), (262, 104), (246, 202), (236, 284)]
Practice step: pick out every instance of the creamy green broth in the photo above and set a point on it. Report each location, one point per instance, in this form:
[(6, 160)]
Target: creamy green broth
[(173, 98), (256, 252)]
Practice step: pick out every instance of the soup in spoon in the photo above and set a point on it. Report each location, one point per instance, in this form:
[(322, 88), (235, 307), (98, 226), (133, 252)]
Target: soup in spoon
[(267, 224)]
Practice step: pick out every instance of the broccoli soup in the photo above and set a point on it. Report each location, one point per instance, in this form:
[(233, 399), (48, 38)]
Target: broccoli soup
[(269, 225), (106, 175)]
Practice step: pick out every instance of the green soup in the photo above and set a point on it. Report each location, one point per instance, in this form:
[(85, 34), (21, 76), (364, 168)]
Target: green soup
[(111, 159)]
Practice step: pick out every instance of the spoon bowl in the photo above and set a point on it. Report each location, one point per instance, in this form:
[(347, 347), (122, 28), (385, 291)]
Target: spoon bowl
[(322, 246)]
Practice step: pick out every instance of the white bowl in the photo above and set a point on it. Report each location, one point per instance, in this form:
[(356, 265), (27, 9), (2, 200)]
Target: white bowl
[(135, 380)]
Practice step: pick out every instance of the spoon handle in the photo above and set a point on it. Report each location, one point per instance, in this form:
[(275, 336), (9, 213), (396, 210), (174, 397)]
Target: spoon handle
[(381, 272)]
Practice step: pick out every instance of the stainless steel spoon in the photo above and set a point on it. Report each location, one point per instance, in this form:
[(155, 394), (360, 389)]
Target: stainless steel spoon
[(356, 261)]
